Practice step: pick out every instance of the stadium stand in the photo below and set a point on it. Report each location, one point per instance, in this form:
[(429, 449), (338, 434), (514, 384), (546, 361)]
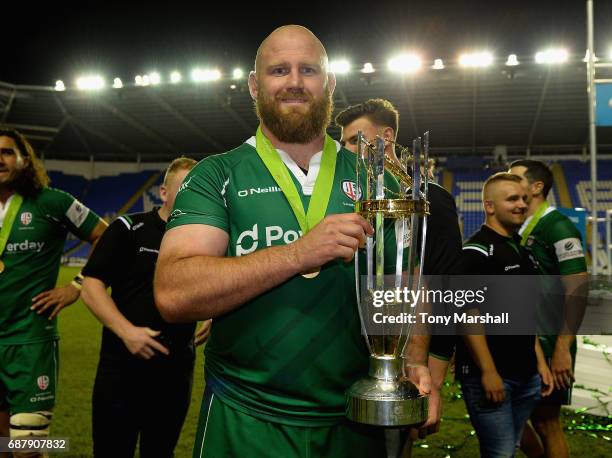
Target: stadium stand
[(108, 196)]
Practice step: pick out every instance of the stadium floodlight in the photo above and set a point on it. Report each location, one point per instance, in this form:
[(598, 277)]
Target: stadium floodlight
[(233, 87), (154, 78), (237, 74), (200, 75), (552, 56), (368, 68), (90, 83), (117, 83), (512, 61), (138, 80), (59, 86), (175, 77), (340, 67), (438, 64), (404, 63), (476, 59)]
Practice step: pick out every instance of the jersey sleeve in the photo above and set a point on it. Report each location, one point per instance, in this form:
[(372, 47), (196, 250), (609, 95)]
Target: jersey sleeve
[(443, 241), (201, 197), (77, 218), (473, 259), (566, 241), (109, 260)]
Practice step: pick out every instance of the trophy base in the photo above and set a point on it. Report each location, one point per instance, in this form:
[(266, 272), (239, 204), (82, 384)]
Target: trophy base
[(384, 398)]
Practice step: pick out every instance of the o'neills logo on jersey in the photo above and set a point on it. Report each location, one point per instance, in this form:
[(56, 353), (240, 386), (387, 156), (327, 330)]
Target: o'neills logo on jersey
[(350, 189), (248, 241), (43, 382), (251, 191), (26, 218)]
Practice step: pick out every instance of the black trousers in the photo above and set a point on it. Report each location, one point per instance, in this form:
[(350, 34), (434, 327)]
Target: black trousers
[(142, 398)]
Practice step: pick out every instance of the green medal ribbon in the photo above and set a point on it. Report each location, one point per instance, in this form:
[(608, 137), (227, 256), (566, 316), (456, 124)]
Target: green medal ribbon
[(9, 219), (535, 219), (280, 173)]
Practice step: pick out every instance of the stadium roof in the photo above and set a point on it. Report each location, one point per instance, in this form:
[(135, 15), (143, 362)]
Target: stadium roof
[(542, 108)]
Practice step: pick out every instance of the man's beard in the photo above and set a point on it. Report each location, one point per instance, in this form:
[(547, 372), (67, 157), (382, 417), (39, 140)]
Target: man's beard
[(296, 125)]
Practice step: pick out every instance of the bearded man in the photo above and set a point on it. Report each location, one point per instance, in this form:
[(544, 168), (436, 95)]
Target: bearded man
[(262, 239)]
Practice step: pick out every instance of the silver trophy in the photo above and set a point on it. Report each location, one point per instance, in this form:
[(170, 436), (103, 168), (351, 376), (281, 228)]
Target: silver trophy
[(386, 397)]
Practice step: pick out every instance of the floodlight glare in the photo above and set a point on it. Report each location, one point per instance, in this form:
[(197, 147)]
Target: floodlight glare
[(146, 80), (368, 68), (552, 56), (138, 80), (117, 83), (232, 86), (59, 86), (154, 78), (199, 75), (404, 63), (476, 59), (175, 77), (237, 74), (586, 57), (512, 61), (90, 83), (340, 67), (438, 64)]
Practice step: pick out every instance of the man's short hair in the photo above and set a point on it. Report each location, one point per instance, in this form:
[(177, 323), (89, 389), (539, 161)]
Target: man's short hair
[(180, 163), (33, 178), (496, 178), (536, 171), (380, 111)]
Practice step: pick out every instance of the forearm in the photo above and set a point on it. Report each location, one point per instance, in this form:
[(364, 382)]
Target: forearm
[(477, 344), (541, 359), (103, 307), (437, 368), (203, 287), (417, 350)]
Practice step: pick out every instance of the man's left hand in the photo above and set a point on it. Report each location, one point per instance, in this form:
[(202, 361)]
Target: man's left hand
[(56, 298), (420, 376), (561, 368)]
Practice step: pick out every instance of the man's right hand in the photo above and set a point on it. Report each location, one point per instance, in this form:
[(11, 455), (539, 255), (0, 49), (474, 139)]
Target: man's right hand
[(493, 385), (140, 341), (336, 236)]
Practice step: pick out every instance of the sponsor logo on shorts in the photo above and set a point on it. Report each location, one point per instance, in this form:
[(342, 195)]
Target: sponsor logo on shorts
[(26, 218), (43, 382), (350, 189)]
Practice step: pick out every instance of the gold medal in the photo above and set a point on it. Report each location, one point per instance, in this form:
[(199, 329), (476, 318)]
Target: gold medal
[(312, 273), (1, 266)]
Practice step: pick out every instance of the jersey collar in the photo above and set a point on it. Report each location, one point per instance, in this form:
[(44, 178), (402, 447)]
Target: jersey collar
[(307, 181)]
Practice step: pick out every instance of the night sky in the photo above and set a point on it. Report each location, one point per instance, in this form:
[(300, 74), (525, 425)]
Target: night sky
[(45, 42)]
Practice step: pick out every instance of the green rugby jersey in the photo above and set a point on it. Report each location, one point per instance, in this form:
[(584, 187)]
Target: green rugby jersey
[(32, 259), (556, 244), (288, 355)]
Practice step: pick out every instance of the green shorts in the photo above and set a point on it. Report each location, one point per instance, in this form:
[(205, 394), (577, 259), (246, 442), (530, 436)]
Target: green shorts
[(224, 432), (28, 376)]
